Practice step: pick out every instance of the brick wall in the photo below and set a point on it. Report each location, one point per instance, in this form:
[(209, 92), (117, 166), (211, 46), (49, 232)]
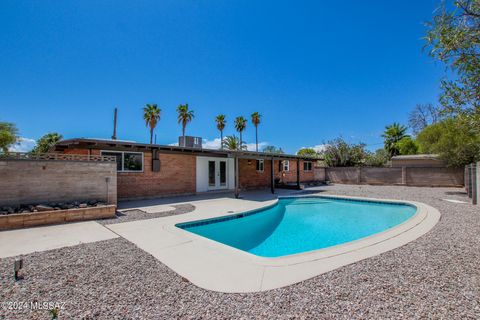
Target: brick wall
[(40, 181), (250, 178), (176, 176)]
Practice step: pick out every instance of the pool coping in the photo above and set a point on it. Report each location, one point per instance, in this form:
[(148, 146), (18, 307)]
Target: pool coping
[(215, 266)]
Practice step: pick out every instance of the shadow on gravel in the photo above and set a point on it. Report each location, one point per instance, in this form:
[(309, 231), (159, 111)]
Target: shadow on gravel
[(456, 193)]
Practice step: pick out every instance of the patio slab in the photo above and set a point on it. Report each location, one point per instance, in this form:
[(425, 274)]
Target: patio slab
[(24, 241)]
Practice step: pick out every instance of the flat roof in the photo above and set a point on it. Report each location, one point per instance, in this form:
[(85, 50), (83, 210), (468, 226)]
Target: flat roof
[(85, 143), (416, 157)]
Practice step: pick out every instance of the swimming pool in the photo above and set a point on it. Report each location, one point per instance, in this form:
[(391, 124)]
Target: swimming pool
[(302, 224)]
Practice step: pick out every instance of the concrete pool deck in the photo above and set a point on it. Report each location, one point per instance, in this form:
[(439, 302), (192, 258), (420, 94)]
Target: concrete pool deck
[(28, 240), (215, 266)]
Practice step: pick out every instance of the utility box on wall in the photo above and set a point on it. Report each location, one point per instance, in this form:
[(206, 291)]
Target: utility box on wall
[(155, 165), (155, 161)]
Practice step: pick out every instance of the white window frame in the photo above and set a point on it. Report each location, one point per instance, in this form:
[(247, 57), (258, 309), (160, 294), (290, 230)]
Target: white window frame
[(286, 165), (311, 165), (261, 165), (123, 159)]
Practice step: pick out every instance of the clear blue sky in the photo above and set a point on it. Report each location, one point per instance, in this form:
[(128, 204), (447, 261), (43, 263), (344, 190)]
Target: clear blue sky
[(314, 69)]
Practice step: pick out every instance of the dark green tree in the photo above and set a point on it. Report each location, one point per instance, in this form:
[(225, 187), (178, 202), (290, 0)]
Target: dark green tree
[(8, 135), (339, 153), (392, 135), (454, 139), (310, 152), (376, 159), (453, 37), (407, 146), (46, 142)]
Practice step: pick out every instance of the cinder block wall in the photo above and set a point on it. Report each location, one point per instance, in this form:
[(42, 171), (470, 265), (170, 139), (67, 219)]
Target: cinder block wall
[(36, 181), (410, 176)]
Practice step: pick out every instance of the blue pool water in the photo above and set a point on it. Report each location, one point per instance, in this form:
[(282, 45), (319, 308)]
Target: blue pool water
[(296, 225)]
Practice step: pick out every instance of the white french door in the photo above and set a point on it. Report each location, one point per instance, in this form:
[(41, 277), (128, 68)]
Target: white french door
[(217, 174)]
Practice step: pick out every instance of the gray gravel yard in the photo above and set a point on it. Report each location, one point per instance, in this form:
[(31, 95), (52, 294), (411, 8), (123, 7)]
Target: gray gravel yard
[(437, 276), (135, 214)]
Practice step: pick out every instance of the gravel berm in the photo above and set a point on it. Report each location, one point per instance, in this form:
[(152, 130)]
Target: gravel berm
[(436, 277)]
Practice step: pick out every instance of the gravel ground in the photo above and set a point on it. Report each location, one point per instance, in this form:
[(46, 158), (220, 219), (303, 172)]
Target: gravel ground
[(135, 214), (437, 277)]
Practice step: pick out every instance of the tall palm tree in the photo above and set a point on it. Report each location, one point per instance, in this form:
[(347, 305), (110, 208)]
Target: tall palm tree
[(256, 121), (221, 122), (240, 125), (151, 115), (392, 135), (232, 143), (184, 117)]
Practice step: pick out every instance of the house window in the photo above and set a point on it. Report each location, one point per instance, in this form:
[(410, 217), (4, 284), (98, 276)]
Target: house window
[(284, 165), (127, 161), (260, 165), (307, 166)]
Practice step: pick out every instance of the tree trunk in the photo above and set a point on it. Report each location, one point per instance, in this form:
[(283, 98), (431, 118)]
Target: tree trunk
[(256, 138), (151, 135), (183, 135), (240, 147), (221, 139)]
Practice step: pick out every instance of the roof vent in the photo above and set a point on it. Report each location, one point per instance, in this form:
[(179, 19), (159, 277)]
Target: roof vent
[(190, 142)]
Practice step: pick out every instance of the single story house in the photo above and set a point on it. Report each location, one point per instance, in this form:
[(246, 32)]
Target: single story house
[(417, 160), (151, 170)]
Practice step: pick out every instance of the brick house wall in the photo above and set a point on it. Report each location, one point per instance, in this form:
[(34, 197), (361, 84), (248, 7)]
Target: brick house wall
[(177, 176), (250, 178)]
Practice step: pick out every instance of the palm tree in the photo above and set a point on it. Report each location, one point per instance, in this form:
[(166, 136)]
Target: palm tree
[(392, 135), (232, 143), (221, 122), (46, 142), (184, 117), (256, 121), (240, 125), (151, 115)]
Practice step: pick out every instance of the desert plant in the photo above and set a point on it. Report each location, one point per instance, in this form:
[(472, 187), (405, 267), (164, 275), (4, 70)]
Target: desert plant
[(233, 143)]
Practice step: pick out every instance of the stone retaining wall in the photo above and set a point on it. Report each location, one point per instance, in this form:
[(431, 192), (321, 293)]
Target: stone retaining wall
[(24, 220)]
